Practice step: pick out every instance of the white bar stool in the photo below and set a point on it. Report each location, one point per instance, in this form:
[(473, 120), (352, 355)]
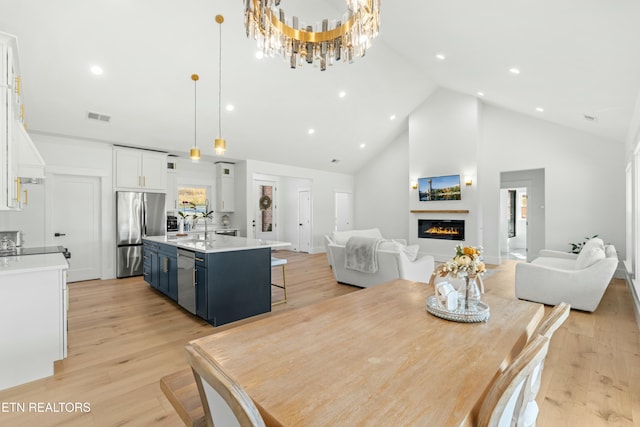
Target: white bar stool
[(275, 262)]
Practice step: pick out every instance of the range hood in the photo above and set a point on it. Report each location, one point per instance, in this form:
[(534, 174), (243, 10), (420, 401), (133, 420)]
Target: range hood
[(30, 162)]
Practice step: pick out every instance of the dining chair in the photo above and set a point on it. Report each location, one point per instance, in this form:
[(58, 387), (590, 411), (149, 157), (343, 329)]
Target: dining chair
[(553, 320), (225, 403), (510, 401)]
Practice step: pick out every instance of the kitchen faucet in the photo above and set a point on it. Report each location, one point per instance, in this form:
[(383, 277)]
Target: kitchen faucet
[(205, 217)]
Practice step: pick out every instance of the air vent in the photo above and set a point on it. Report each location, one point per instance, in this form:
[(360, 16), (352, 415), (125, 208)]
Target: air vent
[(97, 116), (590, 118)]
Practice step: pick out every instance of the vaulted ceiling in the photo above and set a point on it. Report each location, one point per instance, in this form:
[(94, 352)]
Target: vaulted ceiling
[(576, 59)]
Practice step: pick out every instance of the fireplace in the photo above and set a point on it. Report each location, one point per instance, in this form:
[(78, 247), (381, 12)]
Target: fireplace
[(446, 229)]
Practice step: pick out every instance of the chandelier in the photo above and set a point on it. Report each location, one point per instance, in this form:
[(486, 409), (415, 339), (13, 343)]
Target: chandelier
[(328, 42), (194, 153), (220, 144)]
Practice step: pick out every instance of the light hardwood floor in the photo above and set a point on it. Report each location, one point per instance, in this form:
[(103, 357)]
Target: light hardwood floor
[(123, 337)]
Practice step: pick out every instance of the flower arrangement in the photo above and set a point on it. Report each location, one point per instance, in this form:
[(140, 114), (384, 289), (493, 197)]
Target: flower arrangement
[(466, 263)]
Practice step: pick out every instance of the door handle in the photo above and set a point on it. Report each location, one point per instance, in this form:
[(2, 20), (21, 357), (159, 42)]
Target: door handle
[(59, 234)]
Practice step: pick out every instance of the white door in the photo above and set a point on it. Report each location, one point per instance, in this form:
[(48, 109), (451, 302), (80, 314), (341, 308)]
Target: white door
[(265, 213), (76, 223), (343, 211), (304, 224)]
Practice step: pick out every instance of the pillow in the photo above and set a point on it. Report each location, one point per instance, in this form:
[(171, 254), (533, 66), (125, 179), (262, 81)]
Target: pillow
[(596, 242), (411, 251), (341, 237), (391, 245), (589, 256)]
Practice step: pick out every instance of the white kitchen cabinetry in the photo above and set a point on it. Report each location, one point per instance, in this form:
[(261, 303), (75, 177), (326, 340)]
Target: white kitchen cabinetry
[(140, 170), (10, 118), (225, 186), (171, 201), (33, 310)]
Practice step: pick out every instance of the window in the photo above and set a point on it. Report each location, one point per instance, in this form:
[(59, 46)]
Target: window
[(192, 200)]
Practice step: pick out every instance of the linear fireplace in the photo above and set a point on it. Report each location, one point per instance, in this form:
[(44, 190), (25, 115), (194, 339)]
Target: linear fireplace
[(446, 229)]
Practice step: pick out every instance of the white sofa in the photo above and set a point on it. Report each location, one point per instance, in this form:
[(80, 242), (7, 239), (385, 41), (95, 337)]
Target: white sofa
[(393, 258), (577, 279)]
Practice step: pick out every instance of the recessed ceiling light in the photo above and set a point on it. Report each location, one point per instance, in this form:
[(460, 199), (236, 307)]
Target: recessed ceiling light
[(514, 70), (392, 117), (97, 70), (539, 109), (342, 94), (312, 131), (259, 54), (440, 57), (363, 145), (480, 93), (230, 107)]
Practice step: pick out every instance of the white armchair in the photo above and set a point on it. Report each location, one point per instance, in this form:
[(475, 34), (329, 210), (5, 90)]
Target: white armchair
[(579, 280), (394, 259)]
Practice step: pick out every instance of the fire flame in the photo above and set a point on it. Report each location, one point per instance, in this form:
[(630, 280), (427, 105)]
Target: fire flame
[(451, 231)]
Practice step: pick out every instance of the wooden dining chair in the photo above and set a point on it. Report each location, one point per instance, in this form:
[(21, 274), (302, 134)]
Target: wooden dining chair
[(552, 321), (225, 403), (510, 401)]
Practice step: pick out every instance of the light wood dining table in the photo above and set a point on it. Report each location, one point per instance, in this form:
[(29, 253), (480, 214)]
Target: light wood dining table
[(372, 357)]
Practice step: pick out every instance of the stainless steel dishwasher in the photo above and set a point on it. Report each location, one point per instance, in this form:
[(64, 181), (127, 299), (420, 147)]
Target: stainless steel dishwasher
[(187, 280)]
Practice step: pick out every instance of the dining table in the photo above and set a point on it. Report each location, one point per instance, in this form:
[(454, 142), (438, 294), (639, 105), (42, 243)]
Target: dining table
[(372, 357)]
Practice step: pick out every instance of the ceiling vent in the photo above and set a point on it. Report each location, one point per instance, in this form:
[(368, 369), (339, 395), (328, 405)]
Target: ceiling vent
[(97, 116), (590, 118)]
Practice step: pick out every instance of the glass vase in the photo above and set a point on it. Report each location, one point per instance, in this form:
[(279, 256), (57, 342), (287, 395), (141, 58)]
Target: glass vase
[(469, 294)]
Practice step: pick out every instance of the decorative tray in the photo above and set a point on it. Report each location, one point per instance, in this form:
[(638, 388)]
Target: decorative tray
[(479, 314)]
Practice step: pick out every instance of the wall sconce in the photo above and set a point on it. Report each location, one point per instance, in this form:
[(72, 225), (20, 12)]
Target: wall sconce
[(414, 185), (468, 180)]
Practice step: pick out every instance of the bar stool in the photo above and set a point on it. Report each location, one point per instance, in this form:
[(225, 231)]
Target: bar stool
[(275, 262)]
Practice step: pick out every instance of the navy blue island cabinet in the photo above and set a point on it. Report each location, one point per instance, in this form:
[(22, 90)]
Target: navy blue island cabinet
[(233, 285), (229, 285)]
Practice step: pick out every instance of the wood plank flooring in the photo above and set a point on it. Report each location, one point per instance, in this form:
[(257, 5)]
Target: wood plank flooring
[(123, 337)]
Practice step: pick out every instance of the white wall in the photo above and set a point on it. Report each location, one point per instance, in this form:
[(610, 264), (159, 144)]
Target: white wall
[(584, 177), (443, 140), (382, 190), (85, 158), (452, 133), (323, 186)]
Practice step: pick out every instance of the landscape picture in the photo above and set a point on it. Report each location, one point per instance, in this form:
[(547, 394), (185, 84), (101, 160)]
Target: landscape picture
[(439, 188)]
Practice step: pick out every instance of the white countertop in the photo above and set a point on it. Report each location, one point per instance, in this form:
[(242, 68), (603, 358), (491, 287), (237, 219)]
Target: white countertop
[(201, 231), (217, 243), (32, 263)]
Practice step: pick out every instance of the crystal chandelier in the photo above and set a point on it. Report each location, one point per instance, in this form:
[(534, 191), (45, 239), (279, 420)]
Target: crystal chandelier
[(327, 42)]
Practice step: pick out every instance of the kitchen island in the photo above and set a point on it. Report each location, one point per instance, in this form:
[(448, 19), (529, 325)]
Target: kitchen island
[(220, 279), (33, 316)]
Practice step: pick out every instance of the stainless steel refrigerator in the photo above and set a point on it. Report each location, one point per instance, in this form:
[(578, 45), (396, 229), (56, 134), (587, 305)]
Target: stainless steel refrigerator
[(138, 215)]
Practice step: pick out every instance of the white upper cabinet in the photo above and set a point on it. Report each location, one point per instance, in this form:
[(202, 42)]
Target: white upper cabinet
[(225, 186), (10, 118), (140, 170)]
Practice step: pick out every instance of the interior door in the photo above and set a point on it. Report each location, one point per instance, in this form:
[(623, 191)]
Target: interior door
[(76, 223), (304, 224), (343, 212), (266, 210)]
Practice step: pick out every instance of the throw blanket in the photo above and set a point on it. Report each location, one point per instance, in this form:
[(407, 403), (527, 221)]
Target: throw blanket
[(361, 254)]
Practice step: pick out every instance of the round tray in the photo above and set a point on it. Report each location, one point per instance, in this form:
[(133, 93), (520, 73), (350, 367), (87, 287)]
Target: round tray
[(480, 314)]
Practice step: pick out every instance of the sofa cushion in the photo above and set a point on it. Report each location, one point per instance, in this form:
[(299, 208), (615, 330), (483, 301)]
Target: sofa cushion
[(341, 237), (394, 246), (589, 256), (553, 262)]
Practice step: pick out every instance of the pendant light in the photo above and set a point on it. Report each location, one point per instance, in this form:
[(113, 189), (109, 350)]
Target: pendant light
[(194, 154), (220, 144)]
